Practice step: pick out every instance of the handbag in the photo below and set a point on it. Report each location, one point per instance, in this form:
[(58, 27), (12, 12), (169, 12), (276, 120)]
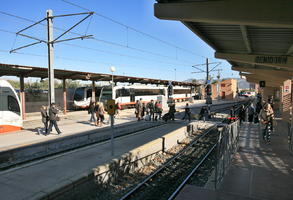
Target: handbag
[(57, 118)]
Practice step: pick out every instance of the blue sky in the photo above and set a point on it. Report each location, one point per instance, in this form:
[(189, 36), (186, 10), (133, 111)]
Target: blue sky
[(132, 53)]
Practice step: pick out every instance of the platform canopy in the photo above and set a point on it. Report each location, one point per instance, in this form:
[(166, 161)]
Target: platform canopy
[(254, 36), (39, 72)]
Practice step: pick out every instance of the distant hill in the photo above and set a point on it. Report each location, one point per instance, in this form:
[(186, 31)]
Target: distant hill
[(242, 84)]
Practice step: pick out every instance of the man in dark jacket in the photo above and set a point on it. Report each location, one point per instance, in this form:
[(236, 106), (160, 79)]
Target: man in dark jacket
[(91, 111), (151, 109), (53, 118), (172, 110), (45, 119), (187, 112)]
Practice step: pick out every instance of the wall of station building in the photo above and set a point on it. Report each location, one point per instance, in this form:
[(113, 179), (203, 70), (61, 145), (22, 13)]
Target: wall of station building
[(225, 89), (34, 100)]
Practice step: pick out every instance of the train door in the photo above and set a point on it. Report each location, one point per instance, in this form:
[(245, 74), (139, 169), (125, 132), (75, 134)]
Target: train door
[(132, 95)]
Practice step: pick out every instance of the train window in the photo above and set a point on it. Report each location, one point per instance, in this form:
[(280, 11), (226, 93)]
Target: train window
[(13, 104), (79, 94), (182, 91), (122, 93), (148, 92)]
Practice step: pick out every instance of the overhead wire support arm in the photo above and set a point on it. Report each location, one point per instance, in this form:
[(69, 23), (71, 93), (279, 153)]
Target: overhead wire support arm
[(31, 37), (14, 50), (89, 14), (81, 37), (38, 22), (68, 15), (198, 68), (214, 66)]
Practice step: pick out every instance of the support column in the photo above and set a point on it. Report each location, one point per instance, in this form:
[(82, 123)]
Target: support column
[(93, 91), (51, 92), (64, 97), (22, 97)]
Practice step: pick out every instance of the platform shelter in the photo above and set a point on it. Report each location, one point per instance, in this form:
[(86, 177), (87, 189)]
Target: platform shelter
[(38, 72)]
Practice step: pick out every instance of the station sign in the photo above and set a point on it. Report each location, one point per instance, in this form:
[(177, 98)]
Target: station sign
[(111, 107)]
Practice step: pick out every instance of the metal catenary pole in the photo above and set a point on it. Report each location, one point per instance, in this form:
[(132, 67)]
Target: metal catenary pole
[(51, 91), (50, 43)]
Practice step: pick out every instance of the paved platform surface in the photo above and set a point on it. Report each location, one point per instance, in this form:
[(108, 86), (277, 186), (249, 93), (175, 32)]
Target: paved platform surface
[(40, 178), (259, 171), (72, 123)]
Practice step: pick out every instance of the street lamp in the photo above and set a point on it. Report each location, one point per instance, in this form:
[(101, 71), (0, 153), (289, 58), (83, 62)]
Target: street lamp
[(112, 69)]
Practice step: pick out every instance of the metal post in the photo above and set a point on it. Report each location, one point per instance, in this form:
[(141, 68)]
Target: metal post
[(175, 74), (112, 135), (112, 85), (51, 95), (22, 97), (64, 97), (219, 85), (207, 63), (93, 91)]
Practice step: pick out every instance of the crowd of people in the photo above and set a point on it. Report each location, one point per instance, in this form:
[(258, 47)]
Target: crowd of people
[(258, 112), (261, 112), (152, 111)]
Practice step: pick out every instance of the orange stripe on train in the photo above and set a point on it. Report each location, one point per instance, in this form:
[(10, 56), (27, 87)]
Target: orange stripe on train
[(8, 128)]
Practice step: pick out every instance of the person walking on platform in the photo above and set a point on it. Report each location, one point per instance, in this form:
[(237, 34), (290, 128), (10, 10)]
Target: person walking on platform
[(159, 108), (45, 119), (251, 113), (143, 111), (204, 113), (97, 114), (101, 113), (266, 118), (91, 111), (53, 111), (242, 114), (151, 109), (187, 112), (172, 110), (138, 109)]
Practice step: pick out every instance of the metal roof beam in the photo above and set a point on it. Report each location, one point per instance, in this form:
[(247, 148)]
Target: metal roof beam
[(285, 62), (268, 83), (265, 78), (274, 73), (260, 67), (245, 38), (249, 12)]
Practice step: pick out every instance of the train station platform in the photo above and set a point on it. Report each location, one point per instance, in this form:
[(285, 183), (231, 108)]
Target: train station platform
[(259, 171), (73, 123)]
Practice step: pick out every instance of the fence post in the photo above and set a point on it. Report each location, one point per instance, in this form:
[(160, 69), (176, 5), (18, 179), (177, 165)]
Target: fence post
[(163, 144)]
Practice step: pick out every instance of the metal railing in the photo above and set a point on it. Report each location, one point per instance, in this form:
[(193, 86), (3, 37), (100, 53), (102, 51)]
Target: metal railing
[(227, 146)]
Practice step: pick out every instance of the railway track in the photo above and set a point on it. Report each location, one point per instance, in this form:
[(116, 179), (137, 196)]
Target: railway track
[(169, 179)]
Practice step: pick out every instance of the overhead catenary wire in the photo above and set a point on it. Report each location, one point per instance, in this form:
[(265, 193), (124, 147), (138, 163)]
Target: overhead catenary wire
[(134, 29), (99, 40), (113, 53)]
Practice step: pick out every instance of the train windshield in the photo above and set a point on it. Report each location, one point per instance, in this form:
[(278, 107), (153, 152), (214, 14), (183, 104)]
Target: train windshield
[(9, 101), (79, 94)]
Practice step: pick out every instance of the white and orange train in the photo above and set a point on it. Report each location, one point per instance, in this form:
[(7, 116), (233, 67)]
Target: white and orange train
[(10, 109), (127, 95)]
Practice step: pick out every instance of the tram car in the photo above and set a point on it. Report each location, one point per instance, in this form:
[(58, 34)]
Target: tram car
[(10, 109), (126, 96)]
